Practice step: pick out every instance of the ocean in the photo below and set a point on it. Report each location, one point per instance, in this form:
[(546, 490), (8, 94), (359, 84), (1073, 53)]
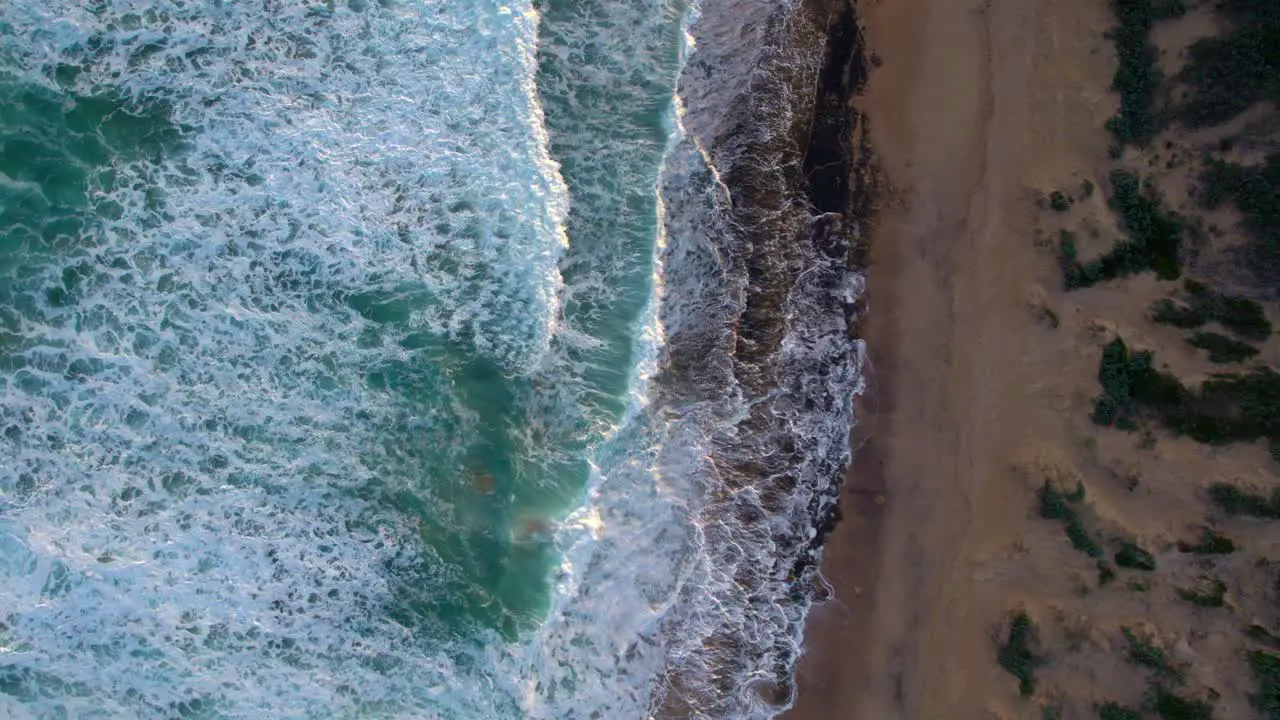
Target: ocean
[(417, 358)]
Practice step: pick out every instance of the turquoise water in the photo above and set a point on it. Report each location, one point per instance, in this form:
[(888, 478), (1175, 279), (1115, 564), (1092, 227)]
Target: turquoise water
[(412, 358), (317, 321)]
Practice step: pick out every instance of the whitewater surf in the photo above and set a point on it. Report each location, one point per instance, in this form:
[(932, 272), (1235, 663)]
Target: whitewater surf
[(445, 359)]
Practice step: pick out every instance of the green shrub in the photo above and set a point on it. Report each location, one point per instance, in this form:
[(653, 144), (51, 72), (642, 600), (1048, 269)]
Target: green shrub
[(1237, 406), (1016, 655), (1228, 407), (1240, 315), (1221, 348), (1226, 74), (1243, 317), (1262, 634), (1137, 77), (1211, 543), (1173, 707), (1235, 501), (1213, 595), (1059, 202), (1080, 539), (1105, 411), (1054, 505), (1069, 260), (1157, 233), (1113, 372), (1135, 558), (1168, 312), (1255, 191), (1115, 711), (1144, 652), (1129, 383), (1266, 670), (1154, 242)]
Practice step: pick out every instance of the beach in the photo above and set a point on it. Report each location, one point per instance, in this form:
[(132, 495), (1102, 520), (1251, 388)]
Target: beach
[(981, 374), (942, 332), (852, 359)]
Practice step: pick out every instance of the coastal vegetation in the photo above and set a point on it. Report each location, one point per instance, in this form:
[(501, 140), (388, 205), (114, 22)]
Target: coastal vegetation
[(1241, 316), (1211, 542), (1221, 348), (1116, 711), (1134, 558), (1209, 592), (1186, 225), (1171, 706), (1266, 672), (1230, 73), (1137, 78), (1057, 505), (1225, 408), (1144, 652), (1254, 190), (1017, 655), (1153, 244), (1236, 501)]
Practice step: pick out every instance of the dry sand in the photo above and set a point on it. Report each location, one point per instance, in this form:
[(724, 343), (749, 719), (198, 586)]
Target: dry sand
[(982, 376)]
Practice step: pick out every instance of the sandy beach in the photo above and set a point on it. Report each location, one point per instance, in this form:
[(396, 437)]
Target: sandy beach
[(982, 374), (947, 337)]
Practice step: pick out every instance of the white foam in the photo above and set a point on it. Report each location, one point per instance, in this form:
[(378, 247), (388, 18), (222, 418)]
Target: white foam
[(182, 501), (345, 139)]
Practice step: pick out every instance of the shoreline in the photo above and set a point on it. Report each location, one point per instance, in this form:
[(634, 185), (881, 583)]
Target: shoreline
[(765, 345), (928, 430)]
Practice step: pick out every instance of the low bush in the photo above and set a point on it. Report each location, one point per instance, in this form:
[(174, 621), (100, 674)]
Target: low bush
[(1235, 501), (1116, 711), (1137, 77), (1167, 312), (1154, 242), (1175, 707), (1016, 655), (1228, 407), (1255, 191), (1266, 671), (1211, 543), (1242, 316), (1221, 348), (1056, 505), (1135, 558), (1146, 653), (1227, 73), (1213, 594)]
